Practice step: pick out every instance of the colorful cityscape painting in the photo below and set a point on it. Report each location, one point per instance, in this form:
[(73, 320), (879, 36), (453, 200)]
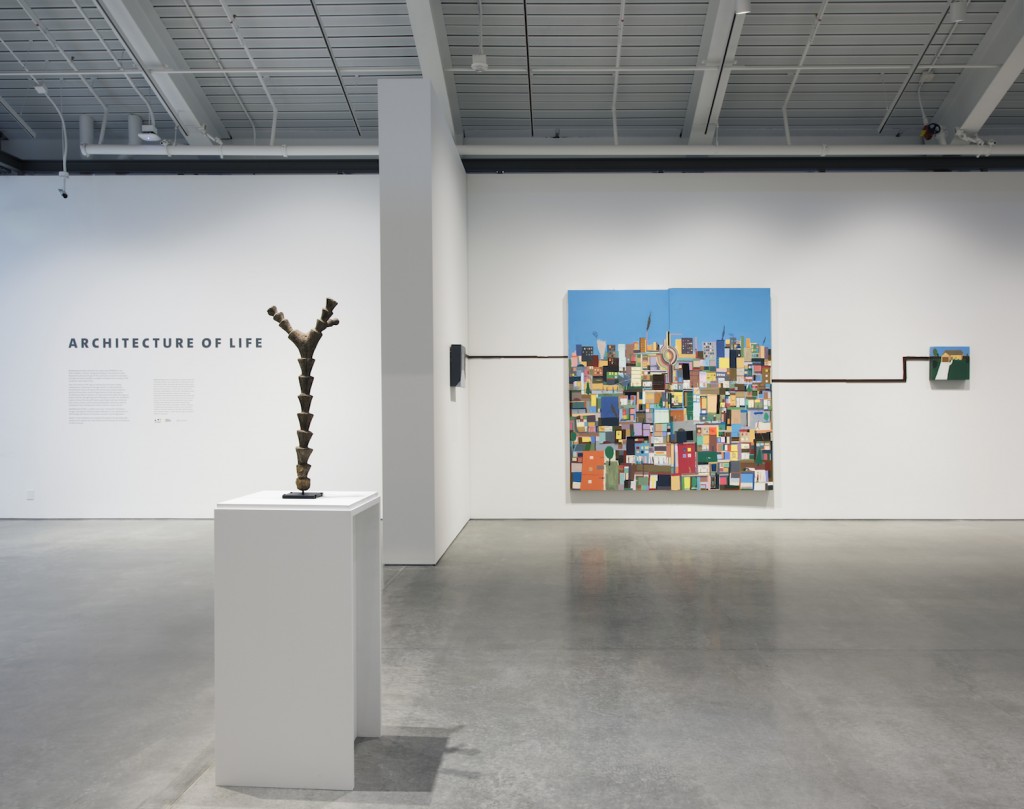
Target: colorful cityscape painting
[(670, 390), (949, 363)]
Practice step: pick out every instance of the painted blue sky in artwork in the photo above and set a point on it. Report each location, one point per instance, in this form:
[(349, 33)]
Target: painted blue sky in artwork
[(620, 316), (701, 313), (617, 315), (940, 349)]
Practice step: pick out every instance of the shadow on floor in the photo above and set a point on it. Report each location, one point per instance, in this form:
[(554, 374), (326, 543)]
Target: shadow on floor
[(390, 763), (399, 763)]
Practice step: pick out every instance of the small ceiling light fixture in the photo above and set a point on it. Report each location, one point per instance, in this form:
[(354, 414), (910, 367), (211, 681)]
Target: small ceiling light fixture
[(742, 7), (957, 10), (479, 61), (149, 134)]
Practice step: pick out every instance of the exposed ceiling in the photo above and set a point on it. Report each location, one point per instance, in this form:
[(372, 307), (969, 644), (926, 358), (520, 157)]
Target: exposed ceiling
[(579, 74)]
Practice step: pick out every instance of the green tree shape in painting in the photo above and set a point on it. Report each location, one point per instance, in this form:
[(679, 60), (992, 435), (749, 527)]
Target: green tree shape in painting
[(611, 470)]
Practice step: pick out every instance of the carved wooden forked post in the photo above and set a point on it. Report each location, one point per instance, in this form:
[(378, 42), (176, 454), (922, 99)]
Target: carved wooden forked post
[(306, 343)]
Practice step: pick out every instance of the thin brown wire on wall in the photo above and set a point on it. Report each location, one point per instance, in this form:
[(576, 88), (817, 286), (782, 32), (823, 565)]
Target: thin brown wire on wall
[(808, 381)]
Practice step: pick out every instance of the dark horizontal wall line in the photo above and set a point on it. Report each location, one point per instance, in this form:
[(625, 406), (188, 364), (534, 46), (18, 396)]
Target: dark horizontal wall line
[(516, 357), (906, 359), (821, 381)]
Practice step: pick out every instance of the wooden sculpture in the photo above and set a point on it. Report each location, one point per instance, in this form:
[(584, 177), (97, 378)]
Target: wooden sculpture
[(306, 343)]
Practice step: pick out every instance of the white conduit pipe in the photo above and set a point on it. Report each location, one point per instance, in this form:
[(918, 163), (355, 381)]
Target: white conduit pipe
[(569, 152), (35, 81), (130, 80), (220, 64), (248, 53), (615, 81), (170, 150), (796, 75), (71, 63), (913, 72)]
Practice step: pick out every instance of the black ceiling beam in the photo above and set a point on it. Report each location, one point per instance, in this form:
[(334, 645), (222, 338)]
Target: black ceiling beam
[(525, 165), (11, 164), (637, 165), (215, 165)]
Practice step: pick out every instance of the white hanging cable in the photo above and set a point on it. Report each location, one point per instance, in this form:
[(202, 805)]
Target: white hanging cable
[(796, 74), (928, 75), (259, 75), (44, 91), (128, 78), (220, 64), (615, 80), (480, 8), (34, 81), (71, 62)]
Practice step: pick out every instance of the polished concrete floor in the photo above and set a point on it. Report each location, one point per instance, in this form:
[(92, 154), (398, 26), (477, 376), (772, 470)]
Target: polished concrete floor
[(827, 665)]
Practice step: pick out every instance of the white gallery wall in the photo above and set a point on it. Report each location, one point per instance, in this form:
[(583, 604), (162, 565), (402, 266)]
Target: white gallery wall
[(144, 431), (863, 269), (424, 290), (451, 327)]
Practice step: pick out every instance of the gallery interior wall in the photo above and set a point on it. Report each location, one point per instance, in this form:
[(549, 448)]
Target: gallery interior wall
[(183, 257), (451, 327), (423, 311), (862, 269)]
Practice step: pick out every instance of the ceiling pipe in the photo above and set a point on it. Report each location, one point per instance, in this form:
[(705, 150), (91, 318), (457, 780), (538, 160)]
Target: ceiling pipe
[(280, 151), (86, 130), (116, 61), (259, 75), (220, 64), (615, 82), (796, 74), (561, 151), (71, 63), (337, 68), (913, 71), (373, 72), (529, 67)]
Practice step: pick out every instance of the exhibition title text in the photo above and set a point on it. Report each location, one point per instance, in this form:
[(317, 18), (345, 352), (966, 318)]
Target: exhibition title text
[(165, 342)]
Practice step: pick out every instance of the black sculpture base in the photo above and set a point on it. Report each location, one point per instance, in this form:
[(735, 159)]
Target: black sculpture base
[(301, 495)]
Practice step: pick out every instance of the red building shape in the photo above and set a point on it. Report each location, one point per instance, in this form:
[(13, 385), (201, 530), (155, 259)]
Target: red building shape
[(686, 459)]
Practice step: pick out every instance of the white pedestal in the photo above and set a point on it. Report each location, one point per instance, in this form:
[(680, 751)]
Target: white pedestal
[(298, 637)]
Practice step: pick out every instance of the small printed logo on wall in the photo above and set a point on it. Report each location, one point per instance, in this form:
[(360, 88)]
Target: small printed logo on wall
[(670, 389), (949, 363)]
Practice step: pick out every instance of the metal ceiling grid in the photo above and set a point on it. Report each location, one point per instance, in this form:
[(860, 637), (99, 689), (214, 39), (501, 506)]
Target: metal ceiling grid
[(573, 49), (320, 94), (1008, 118), (67, 37), (604, 71), (872, 47)]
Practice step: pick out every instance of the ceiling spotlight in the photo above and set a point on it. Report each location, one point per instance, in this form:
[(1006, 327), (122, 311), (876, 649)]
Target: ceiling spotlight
[(957, 10), (479, 63), (149, 134), (742, 6)]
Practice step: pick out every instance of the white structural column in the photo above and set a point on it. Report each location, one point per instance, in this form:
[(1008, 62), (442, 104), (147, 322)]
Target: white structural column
[(428, 32), (424, 310), (977, 93), (722, 28), (145, 33)]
